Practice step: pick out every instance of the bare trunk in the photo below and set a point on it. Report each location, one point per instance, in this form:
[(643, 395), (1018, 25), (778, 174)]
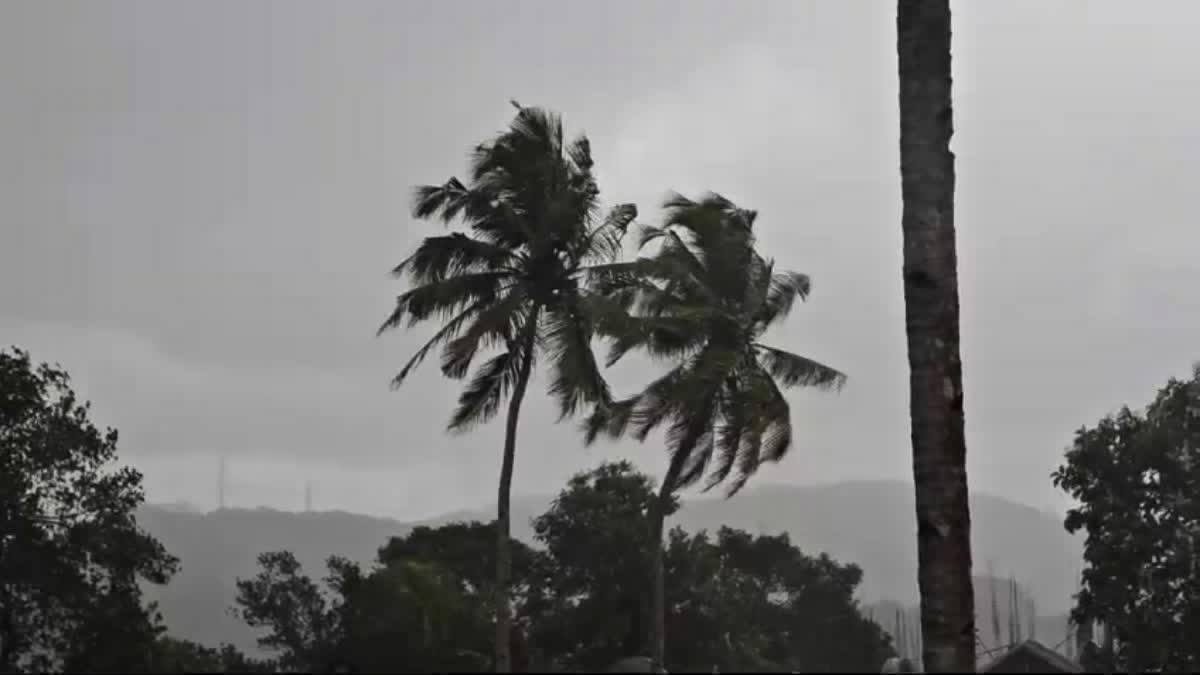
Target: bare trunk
[(932, 317), (658, 608), (503, 653)]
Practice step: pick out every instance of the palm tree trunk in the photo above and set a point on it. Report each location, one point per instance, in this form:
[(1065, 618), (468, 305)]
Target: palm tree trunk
[(932, 317), (658, 608), (503, 653)]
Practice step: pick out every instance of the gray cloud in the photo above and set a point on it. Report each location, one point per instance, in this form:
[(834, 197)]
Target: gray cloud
[(200, 202)]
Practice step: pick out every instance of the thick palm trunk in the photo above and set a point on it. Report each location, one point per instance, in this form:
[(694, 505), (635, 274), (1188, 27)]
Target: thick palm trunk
[(503, 653), (658, 607), (932, 316)]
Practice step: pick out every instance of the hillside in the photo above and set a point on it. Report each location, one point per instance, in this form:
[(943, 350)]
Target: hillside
[(869, 523)]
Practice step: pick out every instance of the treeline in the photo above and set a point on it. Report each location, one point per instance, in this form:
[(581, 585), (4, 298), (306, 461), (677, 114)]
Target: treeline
[(735, 600), (72, 559)]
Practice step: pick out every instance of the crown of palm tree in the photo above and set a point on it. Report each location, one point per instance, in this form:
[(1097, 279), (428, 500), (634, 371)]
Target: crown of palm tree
[(513, 280), (702, 298)]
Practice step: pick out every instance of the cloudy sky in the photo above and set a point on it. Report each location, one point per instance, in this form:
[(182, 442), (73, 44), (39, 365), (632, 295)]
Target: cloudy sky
[(200, 201)]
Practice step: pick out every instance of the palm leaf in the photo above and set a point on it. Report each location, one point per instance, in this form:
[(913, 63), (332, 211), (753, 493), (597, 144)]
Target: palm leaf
[(494, 325), (481, 398), (786, 288), (452, 255), (794, 370), (576, 377), (446, 332), (446, 297), (605, 240)]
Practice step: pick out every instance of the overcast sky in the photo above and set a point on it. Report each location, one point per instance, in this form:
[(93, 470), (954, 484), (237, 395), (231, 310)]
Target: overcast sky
[(200, 201)]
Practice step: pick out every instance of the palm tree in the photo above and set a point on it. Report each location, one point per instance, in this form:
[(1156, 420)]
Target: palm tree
[(931, 305), (702, 301), (512, 283)]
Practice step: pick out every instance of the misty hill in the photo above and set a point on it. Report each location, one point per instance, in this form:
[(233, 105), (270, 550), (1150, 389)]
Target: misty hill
[(868, 523)]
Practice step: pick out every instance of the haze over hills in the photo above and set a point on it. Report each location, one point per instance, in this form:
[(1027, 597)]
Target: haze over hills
[(868, 523)]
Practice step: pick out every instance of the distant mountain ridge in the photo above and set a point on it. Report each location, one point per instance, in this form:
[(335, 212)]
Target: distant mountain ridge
[(869, 523)]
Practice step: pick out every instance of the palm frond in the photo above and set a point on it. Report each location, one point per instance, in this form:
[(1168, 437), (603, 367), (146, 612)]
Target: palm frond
[(446, 297), (786, 288), (683, 389), (576, 377), (580, 153), (446, 332), (794, 370), (445, 201), (437, 258), (495, 324), (697, 462), (604, 241), (480, 400), (772, 435), (610, 419), (691, 435), (722, 238), (734, 429), (658, 337)]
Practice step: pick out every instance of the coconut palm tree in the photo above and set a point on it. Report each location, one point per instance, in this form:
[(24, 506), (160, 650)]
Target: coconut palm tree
[(931, 321), (702, 299), (511, 283)]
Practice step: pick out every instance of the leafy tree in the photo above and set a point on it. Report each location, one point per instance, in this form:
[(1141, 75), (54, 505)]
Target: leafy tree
[(932, 328), (466, 550), (303, 624), (184, 656), (597, 548), (757, 603), (412, 616), (414, 611), (1136, 477), (703, 300), (171, 655), (514, 282), (740, 602), (71, 553)]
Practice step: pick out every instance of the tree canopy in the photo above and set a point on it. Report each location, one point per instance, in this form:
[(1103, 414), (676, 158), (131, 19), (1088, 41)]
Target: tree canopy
[(71, 553), (736, 600), (1136, 478)]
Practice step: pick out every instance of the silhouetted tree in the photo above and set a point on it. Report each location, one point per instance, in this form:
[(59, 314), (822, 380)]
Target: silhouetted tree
[(740, 602), (172, 655), (702, 299), (597, 548), (932, 328), (1136, 478), (71, 553), (304, 626), (531, 205)]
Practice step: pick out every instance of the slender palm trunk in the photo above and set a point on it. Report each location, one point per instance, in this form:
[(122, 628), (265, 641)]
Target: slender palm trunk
[(658, 608), (932, 317), (503, 655)]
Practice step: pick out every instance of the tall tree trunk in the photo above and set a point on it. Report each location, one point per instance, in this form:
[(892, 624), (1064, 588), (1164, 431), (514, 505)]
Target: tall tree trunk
[(503, 651), (932, 316), (658, 607)]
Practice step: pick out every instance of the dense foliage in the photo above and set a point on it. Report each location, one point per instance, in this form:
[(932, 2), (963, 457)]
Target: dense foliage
[(1136, 478), (737, 601), (71, 553)]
